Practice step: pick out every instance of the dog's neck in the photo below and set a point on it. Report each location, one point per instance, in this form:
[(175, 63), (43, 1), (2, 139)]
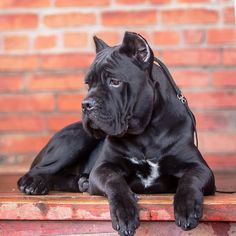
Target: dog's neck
[(166, 105)]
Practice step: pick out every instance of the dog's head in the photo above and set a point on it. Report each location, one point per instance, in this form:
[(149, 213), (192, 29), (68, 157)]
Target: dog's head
[(121, 94)]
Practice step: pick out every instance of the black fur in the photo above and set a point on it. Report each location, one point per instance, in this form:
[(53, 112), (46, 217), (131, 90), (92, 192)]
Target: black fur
[(135, 127)]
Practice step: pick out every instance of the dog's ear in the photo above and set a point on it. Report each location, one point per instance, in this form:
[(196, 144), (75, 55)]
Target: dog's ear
[(99, 44), (136, 47)]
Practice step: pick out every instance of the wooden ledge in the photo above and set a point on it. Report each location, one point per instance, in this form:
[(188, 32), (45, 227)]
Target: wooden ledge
[(76, 206)]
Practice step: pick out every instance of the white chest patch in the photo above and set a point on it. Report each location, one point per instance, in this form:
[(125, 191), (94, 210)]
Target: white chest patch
[(147, 181)]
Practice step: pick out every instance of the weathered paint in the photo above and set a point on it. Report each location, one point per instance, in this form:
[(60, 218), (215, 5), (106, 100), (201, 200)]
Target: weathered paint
[(95, 228), (76, 206), (75, 214), (152, 208)]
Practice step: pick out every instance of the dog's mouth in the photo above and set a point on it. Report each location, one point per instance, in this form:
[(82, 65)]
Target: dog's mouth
[(100, 128), (93, 125), (95, 130), (98, 134)]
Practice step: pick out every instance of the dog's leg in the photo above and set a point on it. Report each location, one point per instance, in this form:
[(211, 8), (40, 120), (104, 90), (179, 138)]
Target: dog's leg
[(70, 146), (107, 179), (198, 180), (69, 182)]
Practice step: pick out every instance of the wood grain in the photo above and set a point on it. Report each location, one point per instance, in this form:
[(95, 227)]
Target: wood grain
[(81, 206)]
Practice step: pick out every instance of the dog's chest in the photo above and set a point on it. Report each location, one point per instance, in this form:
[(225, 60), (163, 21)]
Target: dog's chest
[(146, 170)]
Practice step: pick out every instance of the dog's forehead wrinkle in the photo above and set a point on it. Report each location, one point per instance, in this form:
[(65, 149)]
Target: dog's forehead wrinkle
[(108, 70), (115, 63), (105, 63)]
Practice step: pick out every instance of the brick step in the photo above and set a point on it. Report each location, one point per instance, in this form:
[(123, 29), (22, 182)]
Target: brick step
[(104, 228), (81, 213)]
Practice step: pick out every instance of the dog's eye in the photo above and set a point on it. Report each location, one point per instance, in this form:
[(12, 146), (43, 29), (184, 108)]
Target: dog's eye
[(86, 82), (115, 83)]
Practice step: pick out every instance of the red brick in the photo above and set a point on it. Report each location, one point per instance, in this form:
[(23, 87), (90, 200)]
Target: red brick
[(229, 56), (11, 83), (157, 53), (69, 19), (26, 103), (193, 36), (191, 78), (18, 21), (130, 1), (16, 42), (70, 102), (56, 82), (129, 18), (186, 16), (159, 1), (21, 123), (23, 3), (57, 122), (201, 56), (225, 78), (217, 142), (75, 39), (166, 38), (45, 41), (229, 15), (22, 143), (81, 3), (211, 100), (216, 36), (111, 38), (147, 35), (18, 63), (211, 121), (45, 62), (66, 61)]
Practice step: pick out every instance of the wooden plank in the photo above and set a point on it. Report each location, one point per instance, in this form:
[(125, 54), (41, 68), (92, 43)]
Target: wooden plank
[(103, 228), (14, 210), (77, 206), (38, 228)]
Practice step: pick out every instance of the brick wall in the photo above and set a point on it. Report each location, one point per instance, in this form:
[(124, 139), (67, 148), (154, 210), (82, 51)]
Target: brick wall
[(46, 46)]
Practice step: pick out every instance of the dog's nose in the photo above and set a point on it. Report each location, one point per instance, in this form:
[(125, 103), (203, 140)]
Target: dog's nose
[(87, 105)]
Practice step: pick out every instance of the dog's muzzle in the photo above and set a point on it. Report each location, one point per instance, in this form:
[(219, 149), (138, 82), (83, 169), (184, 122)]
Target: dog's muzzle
[(88, 105)]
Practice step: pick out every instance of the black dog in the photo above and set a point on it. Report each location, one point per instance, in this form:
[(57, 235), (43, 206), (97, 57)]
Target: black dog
[(136, 137)]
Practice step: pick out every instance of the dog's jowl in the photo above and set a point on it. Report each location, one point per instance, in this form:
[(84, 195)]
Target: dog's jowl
[(135, 137)]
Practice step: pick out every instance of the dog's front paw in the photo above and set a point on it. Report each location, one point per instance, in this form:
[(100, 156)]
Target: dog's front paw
[(124, 214), (188, 208), (83, 183), (33, 184)]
